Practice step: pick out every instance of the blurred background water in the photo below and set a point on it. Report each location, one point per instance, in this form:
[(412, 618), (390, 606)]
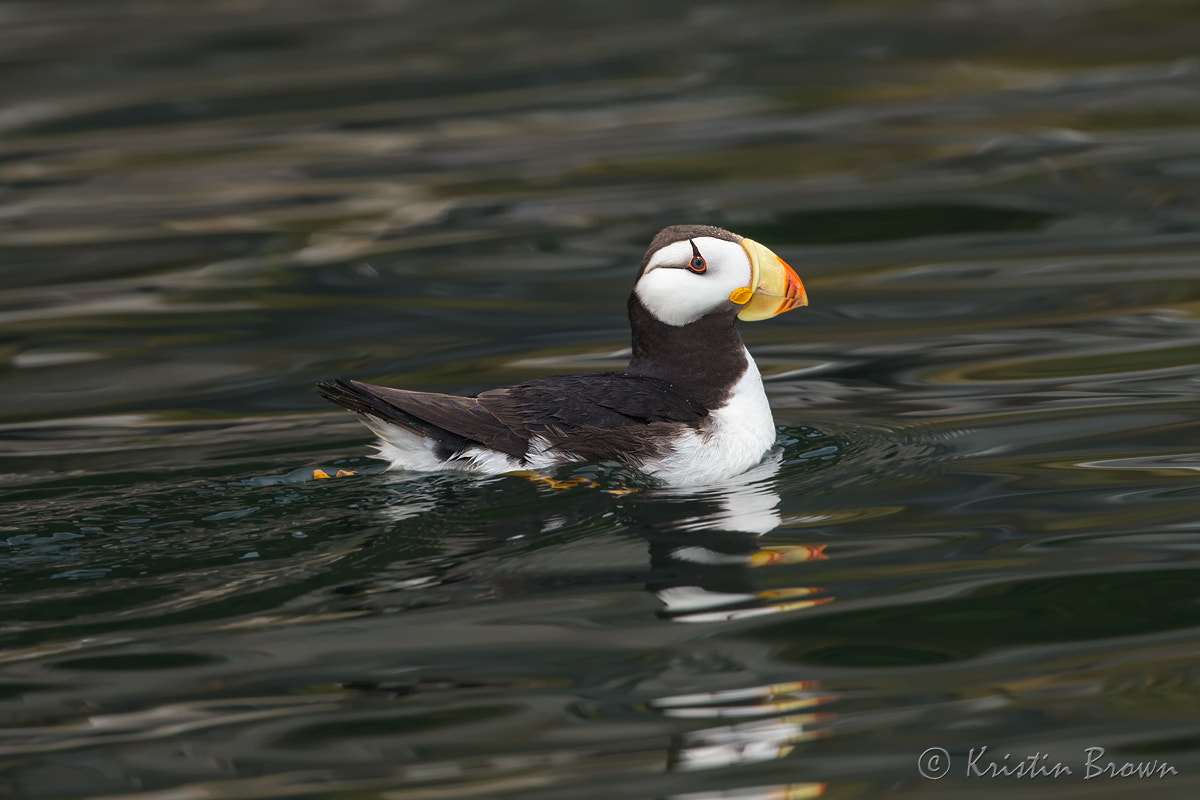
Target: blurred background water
[(981, 526)]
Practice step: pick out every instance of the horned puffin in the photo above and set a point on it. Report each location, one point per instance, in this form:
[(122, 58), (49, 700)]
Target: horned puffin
[(688, 410)]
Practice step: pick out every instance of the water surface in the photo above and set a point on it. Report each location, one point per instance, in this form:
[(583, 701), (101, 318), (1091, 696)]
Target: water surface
[(979, 528)]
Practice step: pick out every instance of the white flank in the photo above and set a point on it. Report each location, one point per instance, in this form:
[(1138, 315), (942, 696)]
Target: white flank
[(735, 438), (406, 449), (401, 447)]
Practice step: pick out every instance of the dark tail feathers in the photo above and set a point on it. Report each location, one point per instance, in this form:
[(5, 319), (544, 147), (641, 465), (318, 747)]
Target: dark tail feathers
[(359, 398), (355, 397)]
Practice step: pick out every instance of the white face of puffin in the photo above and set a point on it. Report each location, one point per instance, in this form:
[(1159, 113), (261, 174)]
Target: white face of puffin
[(677, 293), (688, 279)]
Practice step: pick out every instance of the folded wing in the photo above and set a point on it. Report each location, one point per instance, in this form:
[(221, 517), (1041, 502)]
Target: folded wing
[(594, 416)]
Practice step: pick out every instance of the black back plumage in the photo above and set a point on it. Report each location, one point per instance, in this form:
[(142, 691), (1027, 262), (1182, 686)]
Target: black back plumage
[(588, 417)]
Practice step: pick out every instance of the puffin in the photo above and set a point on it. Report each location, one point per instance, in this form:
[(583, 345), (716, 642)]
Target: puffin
[(688, 410)]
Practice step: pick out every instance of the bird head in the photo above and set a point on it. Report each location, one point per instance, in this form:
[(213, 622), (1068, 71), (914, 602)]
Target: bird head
[(691, 271)]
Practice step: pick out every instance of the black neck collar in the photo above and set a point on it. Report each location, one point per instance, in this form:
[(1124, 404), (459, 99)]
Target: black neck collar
[(702, 360)]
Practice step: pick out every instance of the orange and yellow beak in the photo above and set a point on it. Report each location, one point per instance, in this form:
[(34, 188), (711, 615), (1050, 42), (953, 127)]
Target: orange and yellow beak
[(774, 286)]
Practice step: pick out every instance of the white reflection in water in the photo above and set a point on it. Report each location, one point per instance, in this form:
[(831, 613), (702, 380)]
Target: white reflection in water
[(753, 741), (398, 511), (1180, 461), (747, 504), (751, 701), (790, 791), (746, 743)]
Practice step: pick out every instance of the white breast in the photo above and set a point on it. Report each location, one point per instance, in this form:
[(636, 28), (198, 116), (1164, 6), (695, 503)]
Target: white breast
[(735, 437)]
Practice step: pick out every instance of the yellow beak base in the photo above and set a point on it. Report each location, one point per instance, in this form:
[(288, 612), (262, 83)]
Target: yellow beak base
[(774, 286)]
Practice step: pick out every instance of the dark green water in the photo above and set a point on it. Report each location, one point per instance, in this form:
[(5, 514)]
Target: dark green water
[(980, 528)]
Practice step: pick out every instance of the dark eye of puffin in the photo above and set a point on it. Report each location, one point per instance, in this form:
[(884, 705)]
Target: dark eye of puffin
[(697, 264)]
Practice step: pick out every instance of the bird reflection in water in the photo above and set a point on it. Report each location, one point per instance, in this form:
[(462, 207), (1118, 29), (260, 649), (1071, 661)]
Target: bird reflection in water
[(706, 562), (704, 567), (702, 562), (704, 543)]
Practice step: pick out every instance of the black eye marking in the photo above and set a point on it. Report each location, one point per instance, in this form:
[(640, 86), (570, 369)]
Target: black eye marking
[(697, 264)]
